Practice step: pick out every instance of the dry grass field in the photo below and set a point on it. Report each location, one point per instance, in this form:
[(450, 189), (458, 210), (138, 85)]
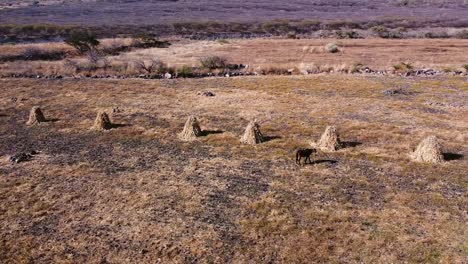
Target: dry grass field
[(137, 194), (376, 53), (259, 54)]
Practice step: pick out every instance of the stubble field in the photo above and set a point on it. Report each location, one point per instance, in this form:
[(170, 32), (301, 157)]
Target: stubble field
[(137, 193)]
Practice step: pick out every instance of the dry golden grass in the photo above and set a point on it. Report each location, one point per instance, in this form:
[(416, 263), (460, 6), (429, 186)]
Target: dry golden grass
[(137, 194), (262, 55), (283, 53)]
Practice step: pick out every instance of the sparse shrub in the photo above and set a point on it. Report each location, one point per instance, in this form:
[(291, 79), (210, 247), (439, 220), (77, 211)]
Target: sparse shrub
[(436, 35), (146, 40), (185, 72), (465, 66), (82, 41), (355, 68), (223, 41), (403, 66), (70, 66), (213, 62), (275, 71), (291, 35), (347, 34), (33, 53), (151, 66), (332, 48), (462, 34), (380, 31)]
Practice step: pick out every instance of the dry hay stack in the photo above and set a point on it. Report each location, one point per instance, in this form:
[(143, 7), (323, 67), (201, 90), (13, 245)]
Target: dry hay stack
[(252, 134), (102, 121), (330, 140), (36, 116), (191, 130), (429, 150)]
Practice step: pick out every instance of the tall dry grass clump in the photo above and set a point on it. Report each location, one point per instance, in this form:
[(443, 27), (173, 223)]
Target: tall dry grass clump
[(329, 141), (102, 121), (36, 116), (191, 130), (429, 150), (252, 134)]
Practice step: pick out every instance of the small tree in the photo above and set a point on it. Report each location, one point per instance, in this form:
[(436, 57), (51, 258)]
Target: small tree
[(146, 40), (381, 31), (151, 66), (213, 62), (465, 66), (82, 41)]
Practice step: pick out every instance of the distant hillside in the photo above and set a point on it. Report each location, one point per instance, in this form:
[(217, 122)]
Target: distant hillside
[(118, 12)]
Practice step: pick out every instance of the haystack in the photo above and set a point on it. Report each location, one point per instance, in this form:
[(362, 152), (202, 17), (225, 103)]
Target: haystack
[(429, 150), (36, 116), (102, 121), (252, 134), (191, 130), (330, 140)]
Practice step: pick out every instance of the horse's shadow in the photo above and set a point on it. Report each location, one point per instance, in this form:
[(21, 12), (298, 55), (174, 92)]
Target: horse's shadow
[(320, 161)]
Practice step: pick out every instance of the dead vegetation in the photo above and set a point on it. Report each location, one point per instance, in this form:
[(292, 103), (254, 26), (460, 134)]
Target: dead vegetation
[(36, 116), (136, 194), (191, 130), (329, 141), (122, 58), (102, 121), (252, 134), (429, 150)]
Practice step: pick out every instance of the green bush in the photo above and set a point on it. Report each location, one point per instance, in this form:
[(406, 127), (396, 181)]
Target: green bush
[(214, 62), (465, 67), (185, 72), (403, 66), (82, 41), (332, 48)]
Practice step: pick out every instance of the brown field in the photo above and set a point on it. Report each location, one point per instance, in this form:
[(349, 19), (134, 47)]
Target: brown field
[(137, 194), (376, 53), (259, 54)]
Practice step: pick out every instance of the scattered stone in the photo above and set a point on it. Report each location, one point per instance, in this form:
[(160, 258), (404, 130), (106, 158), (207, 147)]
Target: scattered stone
[(329, 141), (191, 130), (332, 48), (36, 116), (252, 134), (102, 121), (429, 151), (167, 75), (207, 94), (23, 156), (394, 92)]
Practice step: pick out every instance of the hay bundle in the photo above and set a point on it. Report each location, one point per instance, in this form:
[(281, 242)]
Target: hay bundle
[(102, 121), (36, 116), (191, 130), (429, 150), (252, 134), (330, 140)]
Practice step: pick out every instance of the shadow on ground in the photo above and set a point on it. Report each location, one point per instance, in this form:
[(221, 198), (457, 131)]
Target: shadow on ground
[(452, 156), (270, 138), (209, 132)]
